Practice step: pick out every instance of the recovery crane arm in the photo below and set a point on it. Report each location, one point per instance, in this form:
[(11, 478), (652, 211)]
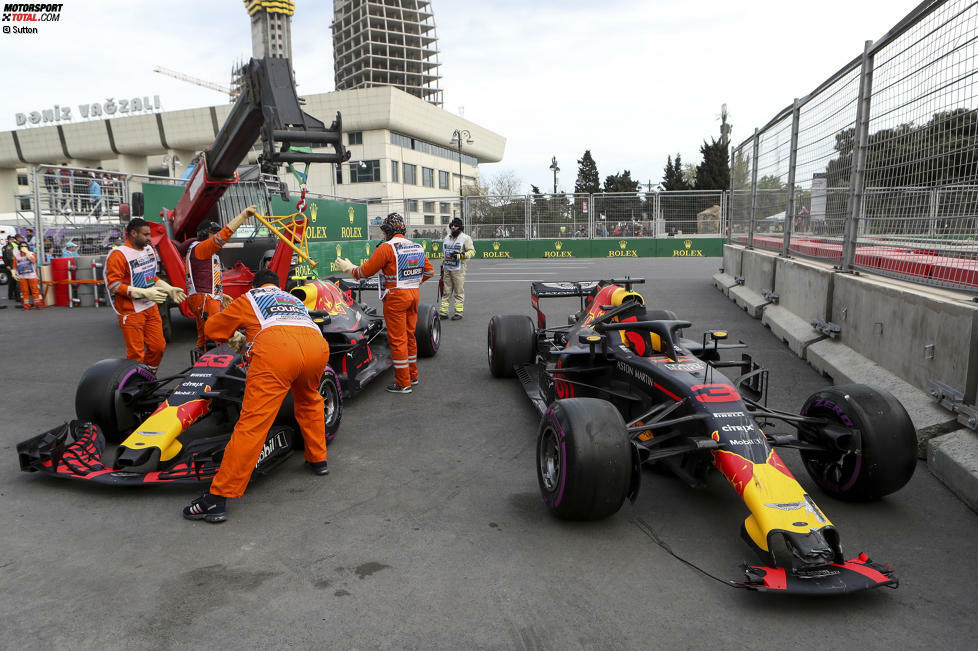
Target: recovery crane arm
[(267, 107)]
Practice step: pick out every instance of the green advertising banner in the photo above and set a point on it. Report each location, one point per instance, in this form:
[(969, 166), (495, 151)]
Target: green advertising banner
[(691, 247), (331, 220), (567, 248), (325, 254), (156, 197), (491, 249), (623, 248)]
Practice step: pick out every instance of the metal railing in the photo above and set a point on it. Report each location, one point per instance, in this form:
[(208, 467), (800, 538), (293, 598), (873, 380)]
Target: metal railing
[(877, 168)]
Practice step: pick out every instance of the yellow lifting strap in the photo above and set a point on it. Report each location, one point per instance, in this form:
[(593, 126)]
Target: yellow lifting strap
[(292, 230)]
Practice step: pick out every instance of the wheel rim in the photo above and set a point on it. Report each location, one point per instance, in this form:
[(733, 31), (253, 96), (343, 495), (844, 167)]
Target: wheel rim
[(327, 389), (549, 460), (435, 330)]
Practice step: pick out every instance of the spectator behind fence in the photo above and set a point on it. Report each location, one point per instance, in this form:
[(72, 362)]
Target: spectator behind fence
[(13, 287), (95, 196), (65, 199), (70, 250), (51, 178)]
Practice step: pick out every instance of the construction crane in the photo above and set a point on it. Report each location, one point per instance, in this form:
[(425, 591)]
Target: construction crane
[(231, 93)]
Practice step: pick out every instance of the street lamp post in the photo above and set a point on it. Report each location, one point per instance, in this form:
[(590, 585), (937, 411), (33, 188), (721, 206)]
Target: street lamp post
[(457, 136), (555, 169)]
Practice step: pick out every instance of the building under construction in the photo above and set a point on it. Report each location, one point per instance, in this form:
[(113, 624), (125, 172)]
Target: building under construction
[(386, 43)]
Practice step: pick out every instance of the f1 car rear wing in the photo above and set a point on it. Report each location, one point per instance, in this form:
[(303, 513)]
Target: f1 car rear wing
[(582, 288)]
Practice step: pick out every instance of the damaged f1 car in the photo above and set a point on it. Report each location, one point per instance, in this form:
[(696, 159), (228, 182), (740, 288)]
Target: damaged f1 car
[(174, 429), (619, 387)]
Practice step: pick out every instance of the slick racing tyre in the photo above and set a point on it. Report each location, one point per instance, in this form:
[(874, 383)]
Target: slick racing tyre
[(584, 459), (329, 389), (96, 398), (512, 341), (428, 331), (871, 442)]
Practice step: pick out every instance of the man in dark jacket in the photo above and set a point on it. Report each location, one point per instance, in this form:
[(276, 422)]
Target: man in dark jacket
[(13, 290)]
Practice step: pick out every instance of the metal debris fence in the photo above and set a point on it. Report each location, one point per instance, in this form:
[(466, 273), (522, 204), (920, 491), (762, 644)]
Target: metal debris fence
[(877, 168)]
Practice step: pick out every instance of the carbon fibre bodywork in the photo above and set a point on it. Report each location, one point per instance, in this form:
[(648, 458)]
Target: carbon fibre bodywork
[(683, 414)]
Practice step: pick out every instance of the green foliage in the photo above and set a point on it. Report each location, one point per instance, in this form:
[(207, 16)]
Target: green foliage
[(588, 180), (672, 178), (621, 182), (714, 172)]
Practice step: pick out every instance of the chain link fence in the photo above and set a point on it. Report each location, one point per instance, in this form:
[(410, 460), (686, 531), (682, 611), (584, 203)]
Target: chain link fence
[(877, 168)]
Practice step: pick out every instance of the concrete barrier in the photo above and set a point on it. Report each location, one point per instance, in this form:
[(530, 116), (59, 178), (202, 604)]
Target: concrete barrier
[(757, 269), (727, 276), (953, 458), (916, 334), (804, 293), (893, 335)]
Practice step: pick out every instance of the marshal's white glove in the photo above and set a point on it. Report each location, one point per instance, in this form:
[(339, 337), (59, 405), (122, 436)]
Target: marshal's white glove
[(238, 343), (345, 265), (154, 294), (176, 294), (225, 301)]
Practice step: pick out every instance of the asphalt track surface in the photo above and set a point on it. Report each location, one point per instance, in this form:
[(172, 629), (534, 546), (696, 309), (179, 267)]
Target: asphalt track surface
[(430, 532)]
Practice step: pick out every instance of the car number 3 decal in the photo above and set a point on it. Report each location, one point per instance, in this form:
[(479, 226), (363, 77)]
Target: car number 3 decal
[(715, 393), (215, 361)]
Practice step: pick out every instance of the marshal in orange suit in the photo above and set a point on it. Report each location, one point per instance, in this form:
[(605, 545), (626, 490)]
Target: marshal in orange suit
[(288, 352)]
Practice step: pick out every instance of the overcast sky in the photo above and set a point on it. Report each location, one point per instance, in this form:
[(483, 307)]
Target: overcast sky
[(632, 81)]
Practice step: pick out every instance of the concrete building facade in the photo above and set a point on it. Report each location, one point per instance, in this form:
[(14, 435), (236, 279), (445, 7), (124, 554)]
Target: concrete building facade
[(386, 43), (399, 144)]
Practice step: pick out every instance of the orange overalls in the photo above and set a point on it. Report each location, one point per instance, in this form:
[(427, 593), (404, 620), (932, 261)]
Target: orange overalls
[(139, 319), (400, 304), (26, 267), (288, 351), (204, 279)]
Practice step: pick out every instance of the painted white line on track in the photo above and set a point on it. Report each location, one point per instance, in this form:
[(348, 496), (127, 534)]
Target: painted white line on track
[(512, 273)]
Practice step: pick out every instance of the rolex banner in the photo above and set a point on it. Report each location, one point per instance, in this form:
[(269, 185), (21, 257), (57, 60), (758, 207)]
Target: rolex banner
[(623, 248), (499, 249), (692, 247), (329, 220), (325, 254), (566, 248)]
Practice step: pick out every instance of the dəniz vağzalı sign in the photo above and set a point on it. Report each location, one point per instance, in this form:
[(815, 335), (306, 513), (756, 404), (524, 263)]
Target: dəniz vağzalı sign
[(109, 108)]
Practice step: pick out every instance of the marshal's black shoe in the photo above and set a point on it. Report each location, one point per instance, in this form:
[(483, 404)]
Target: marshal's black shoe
[(207, 507), (393, 388), (318, 467), (456, 317)]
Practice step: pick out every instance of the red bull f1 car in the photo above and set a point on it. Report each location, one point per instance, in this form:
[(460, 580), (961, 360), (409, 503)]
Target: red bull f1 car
[(174, 429), (619, 387)]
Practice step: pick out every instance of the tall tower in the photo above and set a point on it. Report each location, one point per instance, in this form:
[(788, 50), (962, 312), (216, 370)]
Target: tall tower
[(271, 28), (386, 43)]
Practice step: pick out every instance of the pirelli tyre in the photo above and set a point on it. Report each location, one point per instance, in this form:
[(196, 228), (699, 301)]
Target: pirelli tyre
[(97, 399), (871, 442), (584, 459), (329, 389), (428, 331), (512, 342)]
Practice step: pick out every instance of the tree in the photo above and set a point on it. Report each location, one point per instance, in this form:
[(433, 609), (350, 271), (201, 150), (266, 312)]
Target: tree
[(689, 174), (588, 180), (672, 178), (714, 172), (505, 184), (620, 183)]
